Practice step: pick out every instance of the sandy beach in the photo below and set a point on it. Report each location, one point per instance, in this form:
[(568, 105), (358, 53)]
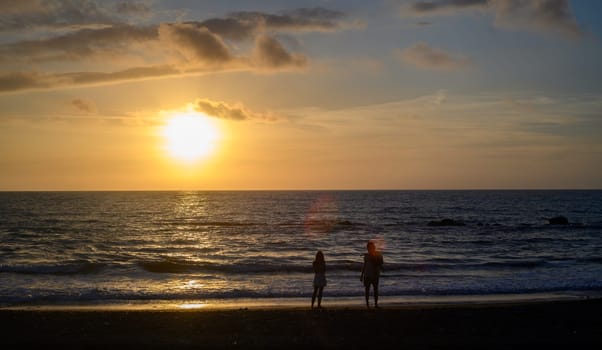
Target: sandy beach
[(480, 325)]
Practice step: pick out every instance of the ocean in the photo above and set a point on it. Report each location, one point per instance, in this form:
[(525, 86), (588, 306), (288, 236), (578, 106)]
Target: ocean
[(115, 247)]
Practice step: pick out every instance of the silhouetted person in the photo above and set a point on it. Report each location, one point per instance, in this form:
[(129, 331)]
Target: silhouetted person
[(319, 278), (373, 265)]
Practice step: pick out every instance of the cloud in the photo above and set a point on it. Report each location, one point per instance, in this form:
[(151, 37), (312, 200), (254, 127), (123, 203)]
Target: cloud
[(194, 43), (18, 81), (23, 80), (84, 105), (10, 8), (60, 14), (245, 25), (112, 50), (123, 75), (129, 8), (542, 15), (446, 5), (222, 110), (423, 56), (269, 53), (81, 44)]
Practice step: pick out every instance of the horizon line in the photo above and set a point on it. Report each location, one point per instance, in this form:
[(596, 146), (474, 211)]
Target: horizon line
[(301, 190)]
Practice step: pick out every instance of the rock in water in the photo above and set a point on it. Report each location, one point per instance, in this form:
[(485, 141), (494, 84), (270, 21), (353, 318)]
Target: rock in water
[(558, 220)]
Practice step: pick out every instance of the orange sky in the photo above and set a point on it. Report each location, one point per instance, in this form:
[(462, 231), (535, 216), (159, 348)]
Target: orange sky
[(303, 95)]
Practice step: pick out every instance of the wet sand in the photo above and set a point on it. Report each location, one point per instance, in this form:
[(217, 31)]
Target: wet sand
[(549, 324)]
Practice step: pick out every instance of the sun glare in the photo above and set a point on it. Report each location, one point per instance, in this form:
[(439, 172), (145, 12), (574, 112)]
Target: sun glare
[(190, 137)]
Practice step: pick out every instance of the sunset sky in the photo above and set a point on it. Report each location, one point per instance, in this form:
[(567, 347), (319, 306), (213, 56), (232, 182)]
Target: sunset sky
[(450, 94)]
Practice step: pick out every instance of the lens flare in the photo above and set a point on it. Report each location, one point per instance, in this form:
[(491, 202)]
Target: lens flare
[(379, 242), (322, 216)]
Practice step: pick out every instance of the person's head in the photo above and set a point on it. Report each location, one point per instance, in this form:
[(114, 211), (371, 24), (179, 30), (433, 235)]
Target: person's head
[(371, 247), (319, 256)]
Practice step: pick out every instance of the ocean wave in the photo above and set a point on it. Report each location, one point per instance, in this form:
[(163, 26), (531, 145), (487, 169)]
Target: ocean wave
[(208, 223), (277, 267), (166, 266), (593, 259), (514, 264), (68, 268), (96, 295)]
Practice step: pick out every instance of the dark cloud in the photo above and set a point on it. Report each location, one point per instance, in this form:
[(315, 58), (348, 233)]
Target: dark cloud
[(423, 56), (9, 8), (316, 14), (434, 6), (57, 14), (61, 14), (300, 19), (130, 7), (79, 44), (28, 14), (84, 105), (126, 74), (33, 80), (196, 44), (271, 54), (303, 19), (92, 33), (228, 28), (246, 24), (23, 81), (544, 15), (223, 110)]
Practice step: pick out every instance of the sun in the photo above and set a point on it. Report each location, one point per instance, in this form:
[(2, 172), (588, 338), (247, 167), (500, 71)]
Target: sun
[(190, 137)]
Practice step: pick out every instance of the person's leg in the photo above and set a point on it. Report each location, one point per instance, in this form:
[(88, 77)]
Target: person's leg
[(313, 297), (367, 294), (376, 294), (320, 290)]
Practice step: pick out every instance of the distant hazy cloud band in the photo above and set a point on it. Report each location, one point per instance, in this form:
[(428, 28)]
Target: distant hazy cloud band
[(545, 15), (34, 80), (65, 14), (62, 14), (80, 44), (423, 56)]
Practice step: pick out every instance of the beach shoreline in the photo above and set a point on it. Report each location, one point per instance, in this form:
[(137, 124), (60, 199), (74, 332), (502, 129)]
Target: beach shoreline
[(576, 322), (301, 303)]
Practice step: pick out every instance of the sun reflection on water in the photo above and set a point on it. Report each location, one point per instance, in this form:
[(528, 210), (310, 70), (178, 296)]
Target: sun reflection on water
[(192, 284), (189, 306)]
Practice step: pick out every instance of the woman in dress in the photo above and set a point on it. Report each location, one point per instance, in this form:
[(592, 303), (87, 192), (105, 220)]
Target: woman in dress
[(319, 278)]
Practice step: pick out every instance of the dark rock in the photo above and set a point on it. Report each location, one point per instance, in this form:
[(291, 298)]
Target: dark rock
[(558, 220), (446, 222)]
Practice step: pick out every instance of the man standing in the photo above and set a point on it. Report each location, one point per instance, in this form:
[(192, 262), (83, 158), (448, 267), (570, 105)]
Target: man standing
[(373, 265)]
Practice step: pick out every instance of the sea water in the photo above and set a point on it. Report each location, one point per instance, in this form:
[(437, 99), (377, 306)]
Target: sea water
[(79, 247)]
